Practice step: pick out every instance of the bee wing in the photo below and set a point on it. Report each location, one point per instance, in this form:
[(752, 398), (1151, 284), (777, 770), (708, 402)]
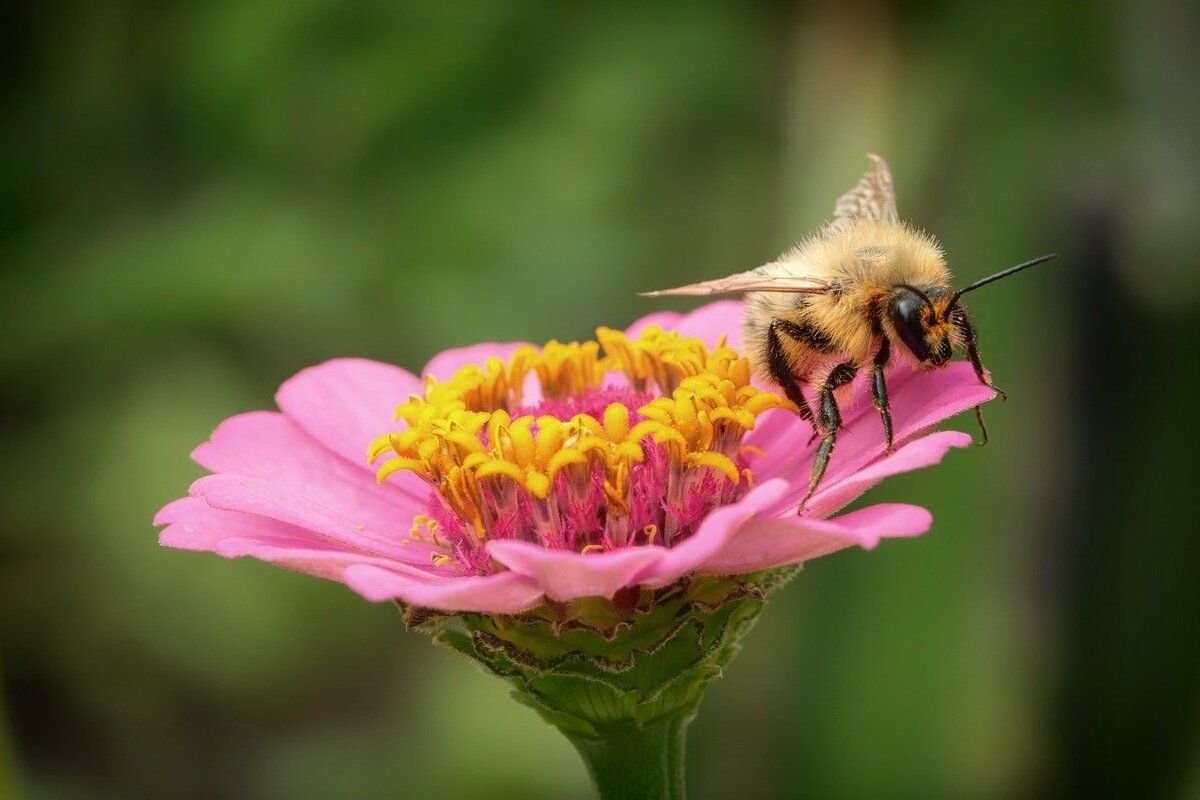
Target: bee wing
[(774, 277), (873, 197)]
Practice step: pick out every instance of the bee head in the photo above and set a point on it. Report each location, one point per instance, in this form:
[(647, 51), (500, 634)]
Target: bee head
[(922, 323), (925, 320)]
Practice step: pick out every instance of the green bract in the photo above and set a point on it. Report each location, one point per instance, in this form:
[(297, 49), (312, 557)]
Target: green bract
[(621, 678)]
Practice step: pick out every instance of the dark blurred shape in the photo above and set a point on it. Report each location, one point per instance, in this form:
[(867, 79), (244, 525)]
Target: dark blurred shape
[(1127, 575), (201, 199)]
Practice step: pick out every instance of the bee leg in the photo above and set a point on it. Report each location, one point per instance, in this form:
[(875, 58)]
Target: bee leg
[(879, 391), (781, 371), (829, 419), (962, 321)]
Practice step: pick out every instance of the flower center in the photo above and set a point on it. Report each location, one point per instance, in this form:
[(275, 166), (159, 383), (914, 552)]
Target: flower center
[(568, 447)]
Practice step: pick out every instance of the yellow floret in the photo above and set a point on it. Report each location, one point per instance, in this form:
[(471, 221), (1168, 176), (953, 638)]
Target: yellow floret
[(460, 432)]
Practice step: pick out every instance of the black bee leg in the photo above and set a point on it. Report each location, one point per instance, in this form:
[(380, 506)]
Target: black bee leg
[(962, 321), (879, 391), (781, 371), (810, 337), (829, 419)]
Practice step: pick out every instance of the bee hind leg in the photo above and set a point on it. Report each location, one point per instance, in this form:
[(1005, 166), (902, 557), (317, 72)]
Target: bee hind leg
[(829, 419), (962, 321), (781, 372)]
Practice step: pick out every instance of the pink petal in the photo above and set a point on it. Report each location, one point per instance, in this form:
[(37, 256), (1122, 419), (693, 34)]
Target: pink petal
[(564, 574), (502, 593), (269, 445), (917, 454), (284, 462), (667, 320), (346, 403), (775, 433), (321, 562), (713, 534), (194, 525), (446, 363), (709, 322), (363, 525), (763, 543)]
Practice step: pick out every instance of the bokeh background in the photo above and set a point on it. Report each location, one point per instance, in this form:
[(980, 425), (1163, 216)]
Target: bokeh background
[(199, 199)]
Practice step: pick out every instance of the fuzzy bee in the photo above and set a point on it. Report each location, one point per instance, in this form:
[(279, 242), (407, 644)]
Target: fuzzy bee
[(863, 290)]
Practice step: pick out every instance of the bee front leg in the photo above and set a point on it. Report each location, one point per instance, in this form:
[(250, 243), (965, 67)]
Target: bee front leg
[(879, 391), (962, 321), (829, 419), (781, 371)]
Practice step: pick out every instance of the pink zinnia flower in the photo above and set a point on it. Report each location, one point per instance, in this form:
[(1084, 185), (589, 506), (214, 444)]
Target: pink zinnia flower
[(511, 474)]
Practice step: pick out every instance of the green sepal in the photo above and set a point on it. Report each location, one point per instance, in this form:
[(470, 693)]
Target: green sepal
[(587, 665), (610, 672)]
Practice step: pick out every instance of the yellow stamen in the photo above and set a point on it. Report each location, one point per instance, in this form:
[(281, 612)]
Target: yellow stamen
[(397, 464), (721, 463), (562, 459), (419, 522), (616, 421), (461, 431)]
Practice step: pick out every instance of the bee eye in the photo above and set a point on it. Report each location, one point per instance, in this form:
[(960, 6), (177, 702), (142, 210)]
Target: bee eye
[(906, 318)]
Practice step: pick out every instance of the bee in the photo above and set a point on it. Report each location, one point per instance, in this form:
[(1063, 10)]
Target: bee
[(861, 292)]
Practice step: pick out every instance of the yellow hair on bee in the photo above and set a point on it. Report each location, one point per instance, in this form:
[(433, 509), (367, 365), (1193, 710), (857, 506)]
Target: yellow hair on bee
[(861, 262)]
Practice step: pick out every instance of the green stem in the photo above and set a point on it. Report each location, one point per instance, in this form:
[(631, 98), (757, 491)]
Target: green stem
[(623, 694), (643, 762)]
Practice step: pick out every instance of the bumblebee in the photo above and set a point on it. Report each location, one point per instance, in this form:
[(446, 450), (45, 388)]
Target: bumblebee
[(864, 291)]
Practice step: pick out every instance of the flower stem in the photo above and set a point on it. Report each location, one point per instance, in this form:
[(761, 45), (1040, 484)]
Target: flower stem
[(622, 694), (638, 761)]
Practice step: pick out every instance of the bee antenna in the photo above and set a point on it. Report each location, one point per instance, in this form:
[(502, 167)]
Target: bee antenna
[(1004, 273)]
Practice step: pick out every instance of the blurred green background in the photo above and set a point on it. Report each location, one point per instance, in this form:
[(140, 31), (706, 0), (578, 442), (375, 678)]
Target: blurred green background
[(200, 199)]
